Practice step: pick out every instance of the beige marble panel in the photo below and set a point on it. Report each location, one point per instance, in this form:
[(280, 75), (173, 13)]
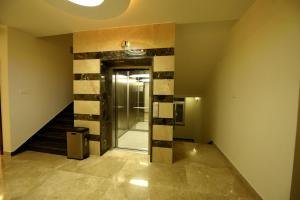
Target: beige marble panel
[(149, 36), (163, 63), (86, 66), (94, 147), (163, 86), (87, 107), (165, 110), (94, 127), (162, 132), (162, 155), (86, 87)]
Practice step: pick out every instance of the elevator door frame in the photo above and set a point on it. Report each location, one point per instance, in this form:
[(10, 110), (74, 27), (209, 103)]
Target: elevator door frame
[(113, 71)]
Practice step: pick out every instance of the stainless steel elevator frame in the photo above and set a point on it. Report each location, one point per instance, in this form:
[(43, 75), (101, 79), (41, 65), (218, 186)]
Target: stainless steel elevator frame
[(113, 71)]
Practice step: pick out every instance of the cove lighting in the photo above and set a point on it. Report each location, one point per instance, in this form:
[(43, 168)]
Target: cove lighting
[(87, 3)]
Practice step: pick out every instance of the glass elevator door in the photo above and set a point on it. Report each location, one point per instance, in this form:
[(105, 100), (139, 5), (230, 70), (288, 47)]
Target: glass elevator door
[(131, 97)]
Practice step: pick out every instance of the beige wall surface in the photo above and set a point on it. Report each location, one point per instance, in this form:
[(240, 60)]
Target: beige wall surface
[(192, 128), (5, 114), (295, 191), (252, 101), (198, 49), (141, 37), (39, 81)]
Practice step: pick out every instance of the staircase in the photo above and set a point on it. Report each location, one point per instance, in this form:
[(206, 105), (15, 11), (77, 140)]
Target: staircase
[(52, 137)]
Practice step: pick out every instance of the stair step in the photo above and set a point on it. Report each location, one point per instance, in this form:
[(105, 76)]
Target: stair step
[(63, 120), (58, 127), (66, 114), (48, 147), (52, 136)]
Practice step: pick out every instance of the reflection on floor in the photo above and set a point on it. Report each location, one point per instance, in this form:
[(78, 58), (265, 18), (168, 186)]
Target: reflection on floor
[(134, 140), (141, 126), (199, 172)]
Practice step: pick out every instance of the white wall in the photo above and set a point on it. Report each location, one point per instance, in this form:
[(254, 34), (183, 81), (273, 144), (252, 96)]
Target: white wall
[(39, 82), (192, 128), (252, 100)]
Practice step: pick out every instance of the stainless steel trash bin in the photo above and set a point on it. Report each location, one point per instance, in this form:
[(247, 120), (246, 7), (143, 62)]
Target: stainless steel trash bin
[(77, 143)]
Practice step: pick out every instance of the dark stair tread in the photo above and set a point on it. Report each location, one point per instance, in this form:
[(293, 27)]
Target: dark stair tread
[(66, 114), (63, 120), (48, 147), (51, 135), (59, 127)]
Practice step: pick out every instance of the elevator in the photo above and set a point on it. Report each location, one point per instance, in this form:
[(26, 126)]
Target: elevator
[(131, 108)]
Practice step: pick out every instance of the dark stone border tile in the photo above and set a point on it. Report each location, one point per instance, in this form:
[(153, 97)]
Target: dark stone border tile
[(179, 99), (110, 55), (89, 76), (162, 121), (163, 75), (163, 98), (183, 140), (87, 97), (160, 52), (87, 117), (160, 143), (87, 55), (93, 137), (128, 62)]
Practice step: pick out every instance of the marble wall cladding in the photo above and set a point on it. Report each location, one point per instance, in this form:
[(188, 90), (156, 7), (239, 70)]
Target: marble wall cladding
[(157, 41), (163, 63), (86, 87), (163, 121), (86, 76), (93, 137), (87, 117), (86, 66), (87, 107), (165, 110), (163, 75), (88, 97), (121, 54), (162, 143), (163, 87), (163, 98), (140, 37), (94, 126), (94, 147), (162, 132), (162, 155), (127, 62)]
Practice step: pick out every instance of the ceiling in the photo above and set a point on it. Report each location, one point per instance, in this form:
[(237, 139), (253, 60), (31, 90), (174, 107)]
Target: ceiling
[(41, 18)]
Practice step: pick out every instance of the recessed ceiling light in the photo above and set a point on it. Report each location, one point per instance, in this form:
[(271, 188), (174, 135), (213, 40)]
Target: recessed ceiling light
[(88, 3)]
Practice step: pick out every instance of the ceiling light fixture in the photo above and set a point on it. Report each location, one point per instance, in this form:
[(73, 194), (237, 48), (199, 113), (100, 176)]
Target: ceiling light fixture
[(87, 3)]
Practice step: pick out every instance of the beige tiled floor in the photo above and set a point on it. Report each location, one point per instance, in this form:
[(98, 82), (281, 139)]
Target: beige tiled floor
[(199, 172)]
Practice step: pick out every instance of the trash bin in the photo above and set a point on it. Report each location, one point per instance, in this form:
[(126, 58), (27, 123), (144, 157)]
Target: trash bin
[(77, 143)]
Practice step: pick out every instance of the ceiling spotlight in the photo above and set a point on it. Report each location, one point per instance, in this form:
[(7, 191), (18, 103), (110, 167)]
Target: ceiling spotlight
[(87, 3)]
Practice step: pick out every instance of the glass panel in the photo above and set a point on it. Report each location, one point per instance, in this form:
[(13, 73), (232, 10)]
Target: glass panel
[(179, 113)]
